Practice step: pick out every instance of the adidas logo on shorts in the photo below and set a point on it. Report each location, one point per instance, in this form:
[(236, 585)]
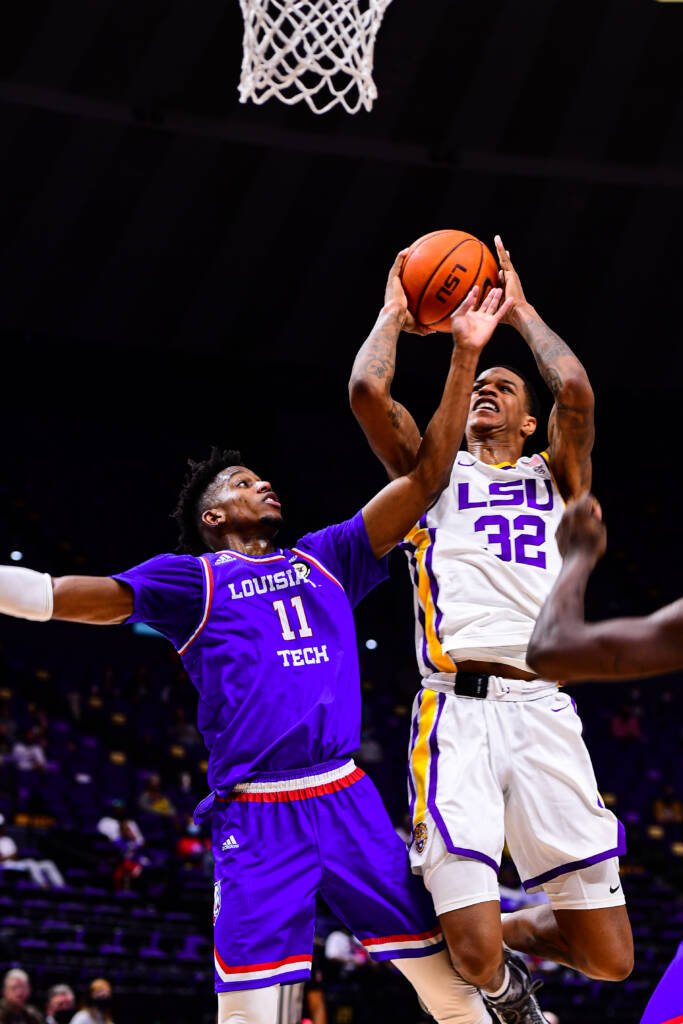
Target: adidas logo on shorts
[(230, 844)]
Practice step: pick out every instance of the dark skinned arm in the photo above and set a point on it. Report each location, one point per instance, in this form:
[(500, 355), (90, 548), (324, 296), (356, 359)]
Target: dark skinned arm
[(571, 428), (565, 646), (396, 509), (390, 429), (99, 600)]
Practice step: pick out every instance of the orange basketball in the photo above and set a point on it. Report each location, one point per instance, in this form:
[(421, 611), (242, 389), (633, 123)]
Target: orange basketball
[(439, 270)]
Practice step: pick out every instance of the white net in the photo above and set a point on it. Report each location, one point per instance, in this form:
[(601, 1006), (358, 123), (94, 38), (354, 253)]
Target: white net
[(320, 51)]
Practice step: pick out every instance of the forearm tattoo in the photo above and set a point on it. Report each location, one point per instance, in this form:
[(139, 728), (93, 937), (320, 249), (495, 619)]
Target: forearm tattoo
[(377, 357), (558, 365), (553, 356)]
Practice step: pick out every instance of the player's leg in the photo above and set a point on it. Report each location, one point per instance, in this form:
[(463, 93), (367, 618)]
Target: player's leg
[(457, 807), (585, 926), (445, 994), (466, 899), (267, 873), (368, 883), (249, 1006), (555, 821)]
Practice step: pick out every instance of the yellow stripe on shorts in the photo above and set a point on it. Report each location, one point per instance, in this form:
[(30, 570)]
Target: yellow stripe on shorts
[(420, 755), (422, 541)]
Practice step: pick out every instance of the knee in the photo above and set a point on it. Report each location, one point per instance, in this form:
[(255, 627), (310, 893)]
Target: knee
[(476, 962), (611, 964)]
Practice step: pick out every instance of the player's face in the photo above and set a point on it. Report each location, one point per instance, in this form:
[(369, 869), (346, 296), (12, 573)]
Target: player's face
[(245, 500), (498, 401)]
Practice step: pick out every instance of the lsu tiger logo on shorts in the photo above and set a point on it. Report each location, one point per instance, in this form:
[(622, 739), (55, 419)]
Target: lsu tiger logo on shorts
[(216, 900), (420, 836)]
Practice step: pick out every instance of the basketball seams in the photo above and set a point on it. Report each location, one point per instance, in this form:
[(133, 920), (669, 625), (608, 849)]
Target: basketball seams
[(481, 260), (430, 288), (431, 278)]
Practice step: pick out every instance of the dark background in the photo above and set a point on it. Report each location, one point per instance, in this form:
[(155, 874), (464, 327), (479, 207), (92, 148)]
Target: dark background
[(177, 269)]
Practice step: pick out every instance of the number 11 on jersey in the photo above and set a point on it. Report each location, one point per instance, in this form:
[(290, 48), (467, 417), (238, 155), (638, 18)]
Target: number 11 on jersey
[(287, 631)]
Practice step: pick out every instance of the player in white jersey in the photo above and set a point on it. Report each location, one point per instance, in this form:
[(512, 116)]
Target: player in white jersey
[(496, 752)]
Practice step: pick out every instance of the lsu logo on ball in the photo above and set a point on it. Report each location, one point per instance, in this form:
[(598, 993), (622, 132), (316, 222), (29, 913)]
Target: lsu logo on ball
[(216, 900), (420, 836)]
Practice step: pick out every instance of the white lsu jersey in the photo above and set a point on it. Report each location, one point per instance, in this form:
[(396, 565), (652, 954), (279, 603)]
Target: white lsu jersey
[(482, 561)]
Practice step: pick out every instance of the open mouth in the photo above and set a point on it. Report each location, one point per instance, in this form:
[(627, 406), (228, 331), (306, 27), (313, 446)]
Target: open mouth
[(271, 499), (486, 404)]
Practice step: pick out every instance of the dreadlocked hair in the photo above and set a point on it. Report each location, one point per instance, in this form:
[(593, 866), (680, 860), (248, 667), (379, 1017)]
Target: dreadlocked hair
[(199, 477)]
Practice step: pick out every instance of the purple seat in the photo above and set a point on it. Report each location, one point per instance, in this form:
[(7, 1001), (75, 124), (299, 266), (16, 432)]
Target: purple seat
[(152, 951), (33, 944), (192, 949)]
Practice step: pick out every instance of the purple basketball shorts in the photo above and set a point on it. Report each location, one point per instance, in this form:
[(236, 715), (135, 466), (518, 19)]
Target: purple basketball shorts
[(283, 837)]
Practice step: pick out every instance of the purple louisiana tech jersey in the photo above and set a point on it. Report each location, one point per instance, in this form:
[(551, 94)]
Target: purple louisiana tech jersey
[(270, 644)]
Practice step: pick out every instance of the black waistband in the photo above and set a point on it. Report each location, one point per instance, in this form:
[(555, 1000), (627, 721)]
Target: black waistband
[(471, 684)]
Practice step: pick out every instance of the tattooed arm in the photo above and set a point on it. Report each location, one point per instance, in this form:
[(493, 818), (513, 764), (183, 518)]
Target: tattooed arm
[(390, 429), (571, 428)]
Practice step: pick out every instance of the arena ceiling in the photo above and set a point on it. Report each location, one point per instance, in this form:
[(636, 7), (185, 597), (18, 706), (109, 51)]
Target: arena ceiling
[(143, 205)]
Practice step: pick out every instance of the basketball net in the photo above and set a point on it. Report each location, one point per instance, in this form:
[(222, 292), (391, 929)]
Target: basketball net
[(320, 51)]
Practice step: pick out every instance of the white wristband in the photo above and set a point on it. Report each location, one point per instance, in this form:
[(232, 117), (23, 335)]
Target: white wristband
[(26, 594)]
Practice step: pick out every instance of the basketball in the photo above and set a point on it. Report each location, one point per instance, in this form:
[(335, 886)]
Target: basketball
[(438, 272)]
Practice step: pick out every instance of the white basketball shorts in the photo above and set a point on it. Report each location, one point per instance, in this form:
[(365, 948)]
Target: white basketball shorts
[(510, 768)]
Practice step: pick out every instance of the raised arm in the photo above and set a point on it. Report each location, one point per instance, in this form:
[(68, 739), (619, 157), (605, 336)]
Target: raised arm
[(565, 646), (390, 429), (571, 428), (396, 509), (27, 594)]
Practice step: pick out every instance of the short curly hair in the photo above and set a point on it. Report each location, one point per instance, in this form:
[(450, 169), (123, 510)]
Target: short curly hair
[(199, 478)]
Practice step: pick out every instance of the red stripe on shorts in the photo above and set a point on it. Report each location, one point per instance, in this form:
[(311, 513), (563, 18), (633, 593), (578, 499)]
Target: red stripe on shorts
[(261, 967), (287, 795), (402, 938)]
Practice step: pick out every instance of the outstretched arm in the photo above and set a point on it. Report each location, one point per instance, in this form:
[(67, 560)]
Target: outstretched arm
[(565, 646), (390, 429), (396, 509), (27, 594), (571, 428)]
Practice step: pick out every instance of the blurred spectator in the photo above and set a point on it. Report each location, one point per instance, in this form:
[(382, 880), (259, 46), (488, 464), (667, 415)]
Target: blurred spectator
[(667, 808), (28, 754), (153, 800), (625, 724), (183, 731), (60, 1005), (14, 1008), (44, 873), (132, 862), (124, 834), (97, 1007), (191, 847), (112, 825)]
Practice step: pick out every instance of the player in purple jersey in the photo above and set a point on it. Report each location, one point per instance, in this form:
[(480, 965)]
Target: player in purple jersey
[(267, 636)]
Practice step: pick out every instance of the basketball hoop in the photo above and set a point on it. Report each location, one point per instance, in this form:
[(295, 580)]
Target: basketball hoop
[(320, 51)]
